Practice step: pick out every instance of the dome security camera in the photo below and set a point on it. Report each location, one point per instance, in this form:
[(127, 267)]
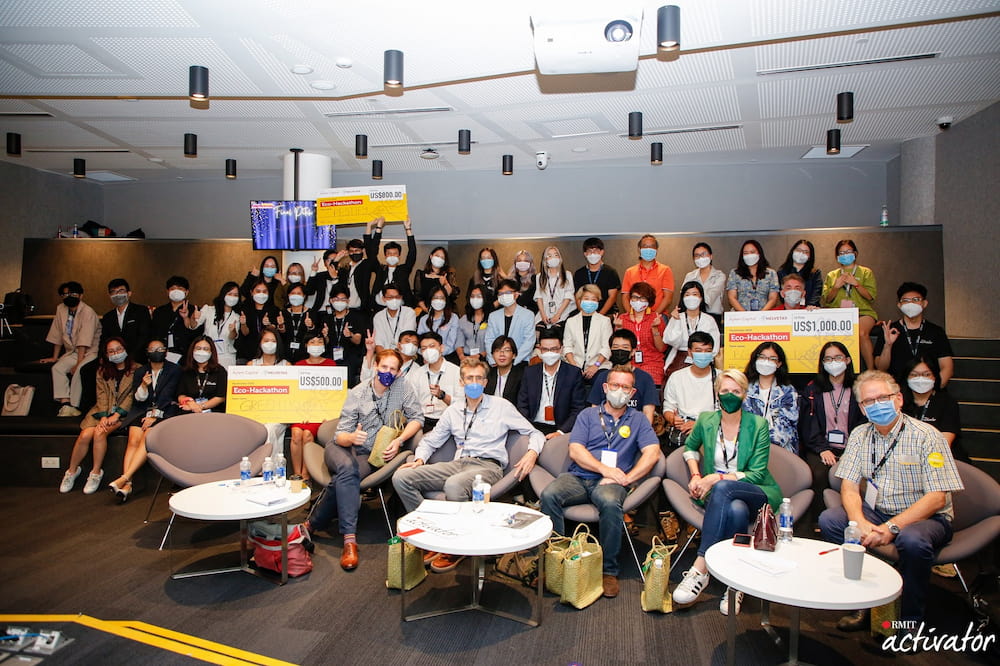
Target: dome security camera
[(944, 122), (541, 159)]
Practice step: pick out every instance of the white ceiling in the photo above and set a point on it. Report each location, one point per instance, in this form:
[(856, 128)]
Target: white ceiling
[(113, 74)]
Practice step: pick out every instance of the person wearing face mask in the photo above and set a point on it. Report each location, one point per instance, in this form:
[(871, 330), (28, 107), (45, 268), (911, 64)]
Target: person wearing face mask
[(524, 272), (114, 400), (853, 286), (271, 351), (727, 454), (407, 346), (504, 378), (897, 342), (326, 273), (793, 290), (300, 323), (395, 270), (645, 398), (587, 333), (552, 392), (126, 320), (711, 279), (510, 320), (75, 335), (753, 284), (690, 315), (441, 319), (650, 271), (221, 322), (472, 326), (554, 291), (613, 447), (256, 315), (488, 274), (598, 273), (648, 328), (772, 396), (437, 272), (480, 424), (690, 391), (926, 400), (396, 317), (305, 433), (294, 274), (368, 406), (172, 321), (828, 413), (801, 261), (913, 511), (344, 331), (203, 380), (269, 273), (436, 383)]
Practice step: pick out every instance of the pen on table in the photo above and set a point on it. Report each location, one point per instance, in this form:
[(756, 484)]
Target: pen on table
[(824, 552)]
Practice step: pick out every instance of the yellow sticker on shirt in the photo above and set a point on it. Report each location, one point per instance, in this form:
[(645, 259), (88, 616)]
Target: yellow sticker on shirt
[(624, 431), (482, 326), (935, 460)]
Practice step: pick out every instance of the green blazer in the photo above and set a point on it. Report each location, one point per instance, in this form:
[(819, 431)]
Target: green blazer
[(754, 451)]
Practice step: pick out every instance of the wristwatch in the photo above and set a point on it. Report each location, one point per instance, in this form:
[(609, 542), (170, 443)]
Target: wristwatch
[(893, 527)]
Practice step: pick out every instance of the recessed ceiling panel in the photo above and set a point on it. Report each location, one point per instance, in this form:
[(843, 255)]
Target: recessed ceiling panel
[(94, 14), (57, 59), (51, 133), (696, 68), (444, 127), (379, 132), (224, 133)]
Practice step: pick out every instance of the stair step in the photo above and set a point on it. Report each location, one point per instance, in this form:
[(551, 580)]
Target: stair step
[(977, 367), (975, 390), (979, 414), (975, 347)]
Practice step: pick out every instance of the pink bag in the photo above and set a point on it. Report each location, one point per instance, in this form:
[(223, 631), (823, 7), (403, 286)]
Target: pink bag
[(266, 540)]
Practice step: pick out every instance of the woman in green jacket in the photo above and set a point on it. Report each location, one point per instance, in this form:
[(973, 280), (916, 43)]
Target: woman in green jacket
[(731, 481)]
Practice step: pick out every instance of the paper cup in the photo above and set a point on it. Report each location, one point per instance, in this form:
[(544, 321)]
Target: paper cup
[(854, 558), (295, 482)]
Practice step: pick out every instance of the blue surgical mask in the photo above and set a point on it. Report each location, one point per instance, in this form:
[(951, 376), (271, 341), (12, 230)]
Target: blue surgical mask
[(487, 264), (882, 413), (590, 307), (269, 271), (702, 359), (846, 259), (386, 378), (647, 253), (474, 390)]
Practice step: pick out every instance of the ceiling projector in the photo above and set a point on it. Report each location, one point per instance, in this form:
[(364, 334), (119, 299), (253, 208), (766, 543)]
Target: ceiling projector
[(589, 44)]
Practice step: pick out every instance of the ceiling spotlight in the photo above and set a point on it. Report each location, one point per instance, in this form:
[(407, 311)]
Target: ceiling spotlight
[(845, 107), (302, 69), (198, 82), (393, 69), (618, 31), (190, 145), (507, 163), (231, 169), (13, 144), (635, 125), (464, 141), (361, 146), (668, 28), (376, 169), (833, 142), (656, 153), (79, 168), (322, 84), (429, 154)]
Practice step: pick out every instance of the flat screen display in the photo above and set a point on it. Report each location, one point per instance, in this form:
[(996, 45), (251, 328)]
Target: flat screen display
[(289, 225)]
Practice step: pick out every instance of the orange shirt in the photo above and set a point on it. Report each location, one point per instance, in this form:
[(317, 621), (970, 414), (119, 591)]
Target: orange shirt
[(658, 276)]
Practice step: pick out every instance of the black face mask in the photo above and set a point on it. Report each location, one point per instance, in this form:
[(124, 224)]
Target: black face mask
[(71, 301), (620, 357), (157, 356), (356, 256)]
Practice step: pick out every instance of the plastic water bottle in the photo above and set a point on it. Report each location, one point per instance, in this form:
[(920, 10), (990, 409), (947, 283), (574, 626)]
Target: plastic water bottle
[(279, 470), (883, 220), (244, 471), (478, 494), (852, 533), (76, 231), (785, 520), (268, 470)]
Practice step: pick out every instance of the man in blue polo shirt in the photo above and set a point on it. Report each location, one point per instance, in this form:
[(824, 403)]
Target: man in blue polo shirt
[(645, 399), (612, 447)]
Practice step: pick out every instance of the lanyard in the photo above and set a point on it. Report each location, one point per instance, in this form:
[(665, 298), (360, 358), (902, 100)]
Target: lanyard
[(550, 285), (375, 401), (927, 405), (687, 324), (155, 375), (298, 319), (887, 453), (468, 425), (610, 436), (914, 345), (395, 329), (725, 452), (836, 405), (220, 325), (847, 287), (436, 381), (592, 278), (338, 331), (550, 389), (767, 400), (585, 323), (201, 384)]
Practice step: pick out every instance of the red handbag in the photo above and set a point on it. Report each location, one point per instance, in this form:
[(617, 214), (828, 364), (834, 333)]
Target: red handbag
[(765, 529), (266, 540)]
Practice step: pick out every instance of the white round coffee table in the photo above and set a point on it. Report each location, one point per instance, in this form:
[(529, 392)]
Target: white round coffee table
[(475, 535), (815, 581), (227, 500)]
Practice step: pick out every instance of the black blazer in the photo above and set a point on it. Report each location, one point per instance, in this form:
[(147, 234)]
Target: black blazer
[(513, 381), (400, 276), (567, 401), (166, 322), (135, 329), (165, 397), (812, 418)]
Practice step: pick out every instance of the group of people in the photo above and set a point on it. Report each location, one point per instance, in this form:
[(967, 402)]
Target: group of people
[(546, 352)]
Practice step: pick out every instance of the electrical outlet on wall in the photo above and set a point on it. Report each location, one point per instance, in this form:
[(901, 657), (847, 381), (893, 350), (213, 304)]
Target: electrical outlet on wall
[(50, 462)]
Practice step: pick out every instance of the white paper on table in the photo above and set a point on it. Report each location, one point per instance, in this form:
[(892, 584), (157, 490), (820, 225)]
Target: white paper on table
[(439, 506), (267, 496), (768, 563)]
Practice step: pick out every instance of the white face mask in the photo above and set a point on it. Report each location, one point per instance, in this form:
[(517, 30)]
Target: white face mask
[(835, 368), (553, 262), (766, 368), (269, 347), (593, 259), (294, 278), (296, 299), (522, 266), (617, 398), (920, 384), (260, 297), (315, 350), (476, 302), (751, 259), (393, 304), (431, 354), (800, 257), (506, 300), (438, 304), (911, 310), (792, 297), (639, 306), (437, 262), (231, 301), (550, 358), (339, 306), (177, 295), (701, 262), (692, 302), (408, 349), (201, 355), (392, 260)]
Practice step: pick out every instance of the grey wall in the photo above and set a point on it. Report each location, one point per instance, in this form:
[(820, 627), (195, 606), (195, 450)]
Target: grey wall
[(917, 161), (967, 205)]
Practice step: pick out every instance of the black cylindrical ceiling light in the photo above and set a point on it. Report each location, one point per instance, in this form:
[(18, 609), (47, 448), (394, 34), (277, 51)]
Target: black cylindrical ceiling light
[(656, 153), (845, 107), (198, 83), (231, 169), (376, 169), (635, 125), (508, 164), (833, 142), (190, 145), (13, 144), (79, 167), (464, 142), (392, 69), (668, 28), (361, 146)]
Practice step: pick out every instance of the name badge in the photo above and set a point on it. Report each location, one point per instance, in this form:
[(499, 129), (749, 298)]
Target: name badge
[(294, 344), (173, 357), (638, 356), (609, 458), (550, 413), (170, 339), (871, 494), (836, 438), (338, 353), (474, 351), (154, 413), (909, 459)]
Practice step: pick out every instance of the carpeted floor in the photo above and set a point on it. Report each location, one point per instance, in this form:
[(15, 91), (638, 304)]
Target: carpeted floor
[(78, 554)]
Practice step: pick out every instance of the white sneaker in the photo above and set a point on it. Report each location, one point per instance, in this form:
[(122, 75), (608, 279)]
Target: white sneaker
[(724, 604), (93, 483), (69, 478), (691, 587), (68, 410)]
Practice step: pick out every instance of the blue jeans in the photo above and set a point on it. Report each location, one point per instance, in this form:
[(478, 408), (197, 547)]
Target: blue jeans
[(568, 490), (727, 511), (343, 495), (918, 545)]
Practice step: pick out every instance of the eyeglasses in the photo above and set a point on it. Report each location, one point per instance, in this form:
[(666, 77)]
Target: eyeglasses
[(701, 255), (122, 290), (156, 349), (764, 357), (880, 399), (475, 379), (834, 359), (928, 375), (549, 349), (616, 386), (504, 293), (841, 253), (115, 350), (504, 350), (916, 299)]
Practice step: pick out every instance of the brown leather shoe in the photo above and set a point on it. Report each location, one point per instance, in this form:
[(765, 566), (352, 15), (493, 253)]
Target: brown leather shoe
[(610, 584), (349, 557), (430, 556)]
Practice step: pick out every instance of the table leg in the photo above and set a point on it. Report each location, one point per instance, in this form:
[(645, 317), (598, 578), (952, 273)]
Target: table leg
[(731, 631), (284, 548), (765, 621), (478, 578), (536, 617), (244, 560)]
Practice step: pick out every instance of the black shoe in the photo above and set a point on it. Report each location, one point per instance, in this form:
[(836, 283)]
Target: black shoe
[(855, 621)]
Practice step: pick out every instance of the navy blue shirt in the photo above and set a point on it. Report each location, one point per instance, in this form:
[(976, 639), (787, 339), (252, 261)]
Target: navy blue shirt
[(645, 390), (626, 436)]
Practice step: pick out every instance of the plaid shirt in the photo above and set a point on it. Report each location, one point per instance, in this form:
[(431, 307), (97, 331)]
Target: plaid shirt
[(362, 406), (920, 463)]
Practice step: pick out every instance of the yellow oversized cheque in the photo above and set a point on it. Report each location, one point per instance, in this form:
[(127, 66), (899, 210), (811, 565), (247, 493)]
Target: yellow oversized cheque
[(358, 205), (801, 333), (286, 394)]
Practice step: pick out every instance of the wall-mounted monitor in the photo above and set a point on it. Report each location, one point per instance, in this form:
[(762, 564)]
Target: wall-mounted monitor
[(289, 225)]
